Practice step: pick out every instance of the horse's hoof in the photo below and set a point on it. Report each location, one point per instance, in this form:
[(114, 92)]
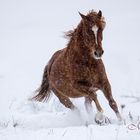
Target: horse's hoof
[(121, 122), (100, 122), (120, 119), (104, 121), (101, 119)]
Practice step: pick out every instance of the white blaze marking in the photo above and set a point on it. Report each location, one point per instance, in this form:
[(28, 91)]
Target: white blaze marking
[(95, 30)]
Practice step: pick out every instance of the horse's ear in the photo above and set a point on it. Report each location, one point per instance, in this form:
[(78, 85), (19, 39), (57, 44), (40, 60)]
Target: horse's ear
[(83, 16), (99, 14)]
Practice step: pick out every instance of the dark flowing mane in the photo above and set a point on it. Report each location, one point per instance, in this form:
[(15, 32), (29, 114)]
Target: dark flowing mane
[(69, 34), (91, 14)]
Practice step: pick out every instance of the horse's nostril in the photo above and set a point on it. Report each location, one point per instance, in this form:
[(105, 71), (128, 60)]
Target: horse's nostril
[(102, 52), (95, 53)]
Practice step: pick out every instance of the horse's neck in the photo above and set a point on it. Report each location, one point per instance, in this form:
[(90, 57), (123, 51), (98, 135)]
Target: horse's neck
[(79, 44), (78, 53), (79, 41)]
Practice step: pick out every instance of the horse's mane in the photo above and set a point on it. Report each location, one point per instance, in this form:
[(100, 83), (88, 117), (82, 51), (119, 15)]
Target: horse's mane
[(69, 34)]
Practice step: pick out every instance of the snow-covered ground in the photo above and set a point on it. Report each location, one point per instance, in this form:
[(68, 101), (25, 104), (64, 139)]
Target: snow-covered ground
[(30, 32)]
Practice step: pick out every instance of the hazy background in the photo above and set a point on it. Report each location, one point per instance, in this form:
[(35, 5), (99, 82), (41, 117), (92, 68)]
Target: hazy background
[(31, 31)]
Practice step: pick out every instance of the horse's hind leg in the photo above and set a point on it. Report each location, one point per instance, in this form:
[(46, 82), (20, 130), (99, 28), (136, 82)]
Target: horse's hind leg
[(88, 104), (64, 100)]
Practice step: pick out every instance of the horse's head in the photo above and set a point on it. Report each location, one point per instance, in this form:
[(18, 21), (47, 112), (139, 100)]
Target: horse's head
[(94, 24)]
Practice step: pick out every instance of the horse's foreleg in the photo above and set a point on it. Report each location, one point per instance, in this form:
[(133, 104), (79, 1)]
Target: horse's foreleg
[(93, 97), (108, 94), (84, 87), (99, 118), (98, 106)]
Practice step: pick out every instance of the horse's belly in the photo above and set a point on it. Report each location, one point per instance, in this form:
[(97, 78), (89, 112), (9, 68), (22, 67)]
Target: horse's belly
[(63, 86)]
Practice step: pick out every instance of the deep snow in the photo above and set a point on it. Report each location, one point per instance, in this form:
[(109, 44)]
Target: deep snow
[(30, 32)]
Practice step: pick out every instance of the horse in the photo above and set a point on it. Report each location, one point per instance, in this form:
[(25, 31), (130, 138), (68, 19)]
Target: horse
[(78, 70)]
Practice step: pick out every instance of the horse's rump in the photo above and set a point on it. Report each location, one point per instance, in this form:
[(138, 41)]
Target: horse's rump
[(53, 58)]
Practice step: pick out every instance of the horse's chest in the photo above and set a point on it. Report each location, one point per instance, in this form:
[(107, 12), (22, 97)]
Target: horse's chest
[(80, 71), (95, 75), (86, 72)]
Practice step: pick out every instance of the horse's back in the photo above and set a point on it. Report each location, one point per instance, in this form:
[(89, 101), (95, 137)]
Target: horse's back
[(52, 60)]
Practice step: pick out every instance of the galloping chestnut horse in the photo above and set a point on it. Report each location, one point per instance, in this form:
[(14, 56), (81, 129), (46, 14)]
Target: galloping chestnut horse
[(78, 70)]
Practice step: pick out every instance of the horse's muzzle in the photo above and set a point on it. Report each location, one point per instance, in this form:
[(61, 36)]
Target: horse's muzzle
[(98, 53)]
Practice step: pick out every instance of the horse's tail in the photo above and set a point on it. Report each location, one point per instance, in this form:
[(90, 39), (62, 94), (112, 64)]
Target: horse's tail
[(43, 91)]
